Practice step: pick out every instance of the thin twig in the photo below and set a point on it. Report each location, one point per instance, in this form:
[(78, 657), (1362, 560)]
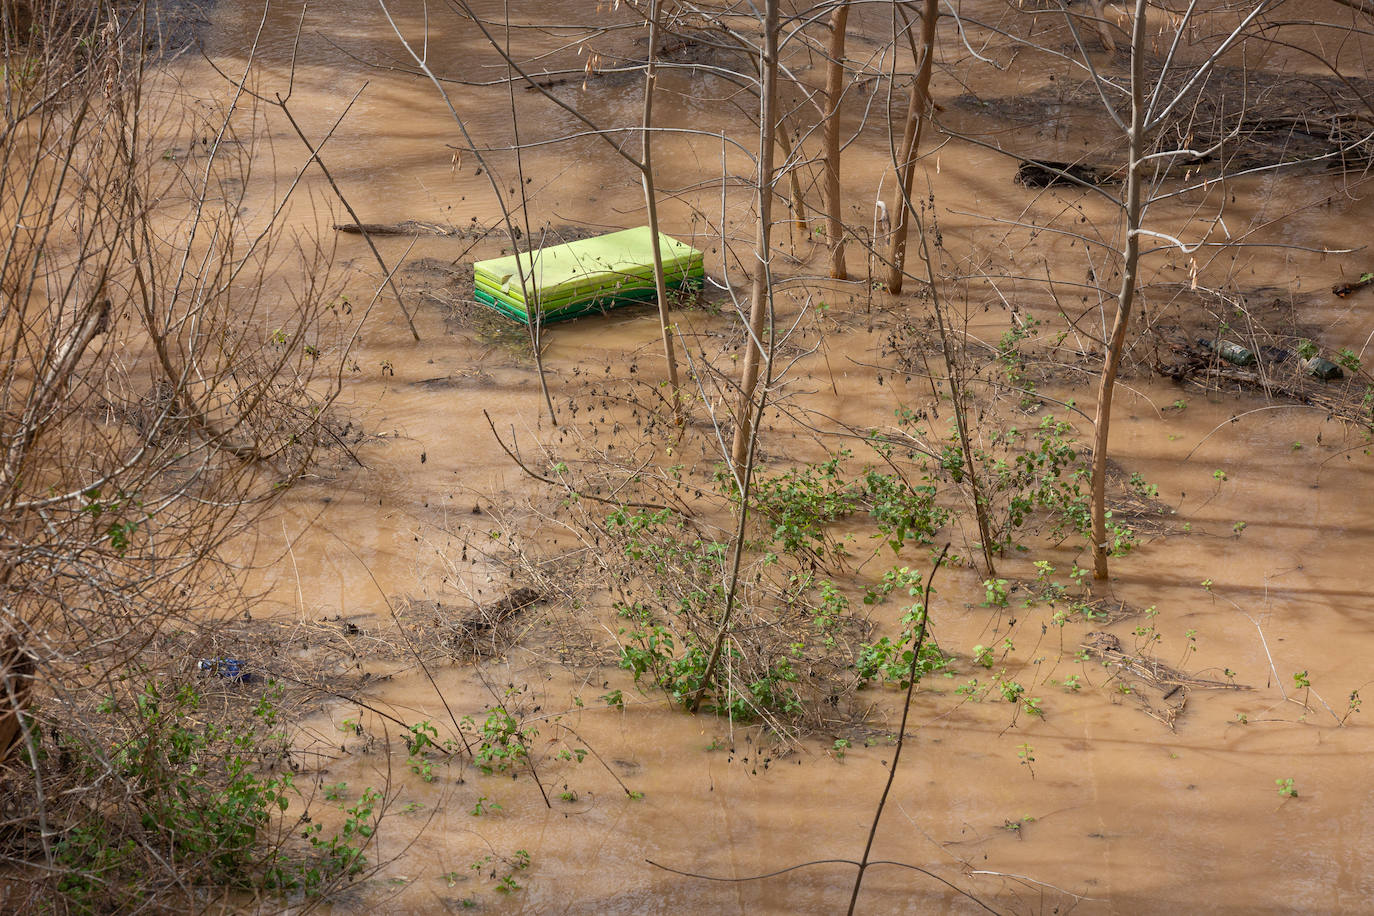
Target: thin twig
[(558, 483), (918, 644)]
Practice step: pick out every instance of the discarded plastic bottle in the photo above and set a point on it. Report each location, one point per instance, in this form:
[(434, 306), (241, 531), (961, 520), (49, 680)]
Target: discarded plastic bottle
[(1234, 353), (231, 668), (1323, 369)]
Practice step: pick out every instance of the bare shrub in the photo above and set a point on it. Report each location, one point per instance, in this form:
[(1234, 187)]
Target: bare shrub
[(157, 392)]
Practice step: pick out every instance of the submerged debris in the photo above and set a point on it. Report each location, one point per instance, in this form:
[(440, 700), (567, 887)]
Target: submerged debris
[(1345, 289), (1161, 691), (461, 630), (1323, 369), (1232, 352), (1045, 173)]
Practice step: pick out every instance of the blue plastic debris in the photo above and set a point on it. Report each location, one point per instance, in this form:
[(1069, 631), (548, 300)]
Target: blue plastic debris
[(231, 668)]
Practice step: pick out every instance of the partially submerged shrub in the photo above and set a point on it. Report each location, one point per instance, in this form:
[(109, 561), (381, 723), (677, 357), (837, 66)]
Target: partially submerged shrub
[(154, 800)]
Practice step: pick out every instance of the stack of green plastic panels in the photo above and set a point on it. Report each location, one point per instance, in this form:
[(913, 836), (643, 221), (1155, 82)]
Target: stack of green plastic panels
[(565, 281)]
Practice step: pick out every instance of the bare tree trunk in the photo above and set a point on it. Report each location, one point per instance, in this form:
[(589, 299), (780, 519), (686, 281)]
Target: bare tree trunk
[(17, 669), (834, 89), (793, 183), (651, 202), (742, 450), (1100, 23), (1125, 298), (758, 289), (911, 143)]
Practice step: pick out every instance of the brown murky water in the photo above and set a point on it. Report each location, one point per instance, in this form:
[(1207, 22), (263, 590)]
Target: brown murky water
[(1117, 812)]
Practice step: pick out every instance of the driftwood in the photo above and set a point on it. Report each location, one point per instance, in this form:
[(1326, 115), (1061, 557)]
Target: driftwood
[(538, 237), (413, 227), (408, 227), (1161, 690)]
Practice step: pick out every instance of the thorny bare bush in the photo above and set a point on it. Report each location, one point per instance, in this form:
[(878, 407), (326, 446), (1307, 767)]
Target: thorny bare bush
[(156, 395)]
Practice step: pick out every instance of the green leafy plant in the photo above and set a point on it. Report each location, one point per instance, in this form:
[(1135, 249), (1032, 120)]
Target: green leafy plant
[(995, 593), (483, 806), (890, 661), (800, 503), (504, 745), (903, 513), (1026, 755), (1037, 479), (204, 803), (1015, 826), (422, 738), (1286, 787), (832, 606), (1013, 361)]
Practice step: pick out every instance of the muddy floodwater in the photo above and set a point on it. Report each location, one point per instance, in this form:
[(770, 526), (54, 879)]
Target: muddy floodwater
[(1195, 746)]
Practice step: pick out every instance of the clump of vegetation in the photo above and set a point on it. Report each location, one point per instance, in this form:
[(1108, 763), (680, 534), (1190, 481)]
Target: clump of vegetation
[(796, 648), (192, 801), (136, 450)]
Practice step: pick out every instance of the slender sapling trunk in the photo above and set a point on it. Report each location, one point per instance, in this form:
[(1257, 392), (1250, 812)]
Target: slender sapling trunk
[(651, 202), (834, 89), (911, 144), (1125, 298), (758, 288)]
